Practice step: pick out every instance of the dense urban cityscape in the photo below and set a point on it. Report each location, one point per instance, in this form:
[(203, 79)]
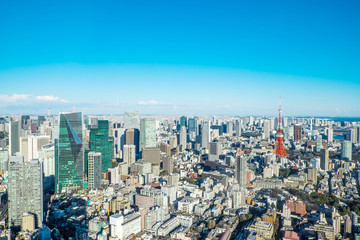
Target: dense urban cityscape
[(181, 120), (70, 176)]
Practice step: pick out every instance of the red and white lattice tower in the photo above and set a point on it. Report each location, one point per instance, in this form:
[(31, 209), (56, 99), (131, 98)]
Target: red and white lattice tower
[(279, 149)]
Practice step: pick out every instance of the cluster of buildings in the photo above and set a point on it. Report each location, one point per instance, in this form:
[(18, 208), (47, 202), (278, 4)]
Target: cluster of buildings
[(124, 177)]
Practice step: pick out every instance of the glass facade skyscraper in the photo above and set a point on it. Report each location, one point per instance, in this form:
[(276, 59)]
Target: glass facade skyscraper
[(147, 133), (69, 153), (99, 142), (183, 121)]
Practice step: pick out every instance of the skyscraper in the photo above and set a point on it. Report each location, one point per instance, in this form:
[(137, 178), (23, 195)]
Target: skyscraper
[(240, 170), (129, 154), (192, 125), (69, 157), (147, 133), (238, 128), (346, 150), (318, 143), (132, 138), (14, 137), (324, 159), (25, 191), (131, 120), (99, 142), (94, 170), (297, 132), (205, 134), (183, 136), (183, 121), (266, 129)]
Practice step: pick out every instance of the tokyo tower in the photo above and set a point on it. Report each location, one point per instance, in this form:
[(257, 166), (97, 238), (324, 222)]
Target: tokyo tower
[(279, 143)]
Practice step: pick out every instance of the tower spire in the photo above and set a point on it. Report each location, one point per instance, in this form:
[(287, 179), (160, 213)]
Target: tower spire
[(279, 149)]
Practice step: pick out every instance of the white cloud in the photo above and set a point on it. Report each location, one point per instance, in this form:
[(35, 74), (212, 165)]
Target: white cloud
[(25, 99), (152, 102)]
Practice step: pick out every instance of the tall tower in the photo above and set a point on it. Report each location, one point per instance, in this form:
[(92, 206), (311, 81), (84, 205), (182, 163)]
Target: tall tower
[(279, 143)]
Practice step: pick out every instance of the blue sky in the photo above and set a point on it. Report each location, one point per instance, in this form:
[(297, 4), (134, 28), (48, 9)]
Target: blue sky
[(180, 57)]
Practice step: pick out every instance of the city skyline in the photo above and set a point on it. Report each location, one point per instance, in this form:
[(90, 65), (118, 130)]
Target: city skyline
[(232, 58)]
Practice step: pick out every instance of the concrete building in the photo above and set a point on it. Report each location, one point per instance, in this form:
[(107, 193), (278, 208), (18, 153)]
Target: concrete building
[(122, 227), (129, 154), (94, 169), (205, 134), (240, 170), (25, 192)]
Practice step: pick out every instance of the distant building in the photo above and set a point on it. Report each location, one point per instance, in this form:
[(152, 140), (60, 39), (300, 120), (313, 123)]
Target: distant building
[(183, 136), (324, 159), (131, 120), (297, 132), (129, 154), (147, 133), (14, 137), (183, 121), (346, 150), (132, 137), (205, 134), (240, 170)]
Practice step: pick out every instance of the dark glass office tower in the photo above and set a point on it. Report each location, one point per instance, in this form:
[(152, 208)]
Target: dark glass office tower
[(69, 160), (99, 142)]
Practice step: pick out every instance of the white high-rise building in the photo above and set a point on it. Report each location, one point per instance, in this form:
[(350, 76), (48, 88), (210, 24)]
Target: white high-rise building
[(31, 145), (266, 129), (129, 154), (346, 150), (205, 134), (94, 170), (47, 158), (147, 133), (183, 136)]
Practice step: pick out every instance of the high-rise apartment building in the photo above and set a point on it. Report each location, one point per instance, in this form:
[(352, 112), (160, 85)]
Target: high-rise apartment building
[(346, 150), (240, 170), (267, 129), (94, 169), (100, 142), (69, 157), (324, 159), (318, 143), (205, 134), (147, 133), (14, 137), (129, 154), (183, 136), (25, 191)]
